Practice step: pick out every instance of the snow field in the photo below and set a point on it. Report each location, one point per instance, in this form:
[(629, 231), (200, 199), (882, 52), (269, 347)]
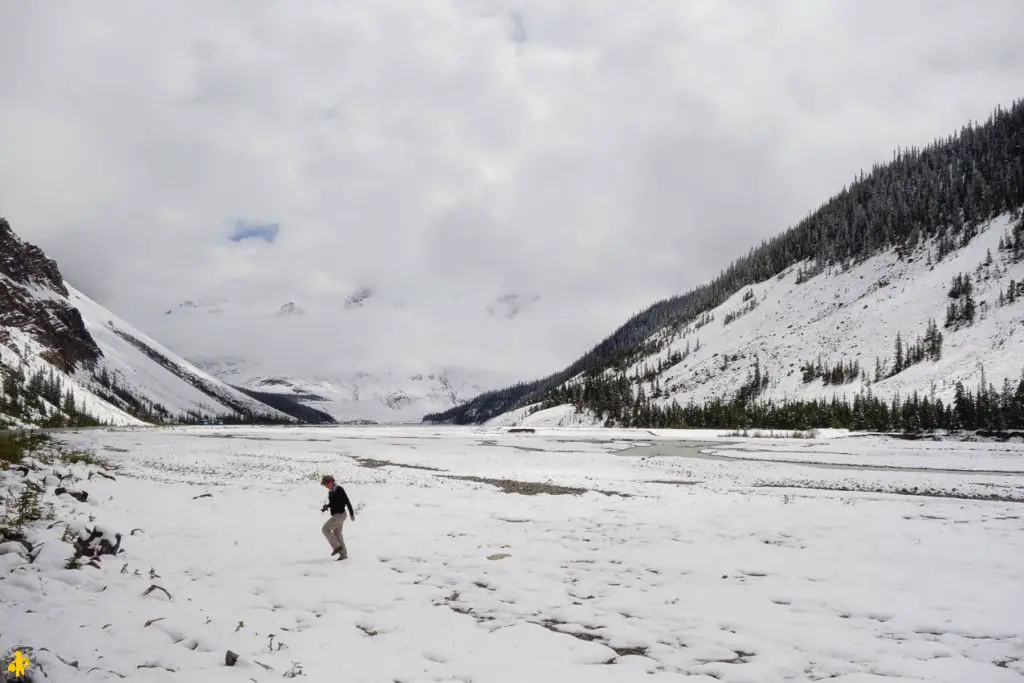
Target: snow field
[(457, 580)]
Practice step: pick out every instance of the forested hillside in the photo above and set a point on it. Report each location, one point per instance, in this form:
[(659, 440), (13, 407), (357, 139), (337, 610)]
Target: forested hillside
[(65, 360), (941, 195)]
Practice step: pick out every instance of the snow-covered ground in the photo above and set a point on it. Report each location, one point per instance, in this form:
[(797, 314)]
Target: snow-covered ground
[(570, 555)]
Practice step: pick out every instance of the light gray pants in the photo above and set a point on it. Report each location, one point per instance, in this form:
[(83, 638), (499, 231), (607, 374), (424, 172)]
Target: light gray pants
[(332, 530)]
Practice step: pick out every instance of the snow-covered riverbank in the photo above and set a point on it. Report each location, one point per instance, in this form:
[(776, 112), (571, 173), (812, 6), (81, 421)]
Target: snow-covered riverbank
[(491, 557)]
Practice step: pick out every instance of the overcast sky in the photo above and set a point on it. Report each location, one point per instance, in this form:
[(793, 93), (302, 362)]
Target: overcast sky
[(598, 154)]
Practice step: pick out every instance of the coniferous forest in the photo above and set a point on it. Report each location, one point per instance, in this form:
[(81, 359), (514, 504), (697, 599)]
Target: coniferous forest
[(26, 395), (942, 192), (985, 408)]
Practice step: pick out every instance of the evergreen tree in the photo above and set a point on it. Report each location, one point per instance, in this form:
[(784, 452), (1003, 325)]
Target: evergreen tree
[(898, 363)]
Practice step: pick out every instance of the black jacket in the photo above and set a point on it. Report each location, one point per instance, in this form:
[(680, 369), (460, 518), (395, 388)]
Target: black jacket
[(337, 501)]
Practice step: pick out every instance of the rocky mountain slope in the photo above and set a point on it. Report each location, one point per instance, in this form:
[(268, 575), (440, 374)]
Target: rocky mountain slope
[(64, 359), (899, 299), (33, 299)]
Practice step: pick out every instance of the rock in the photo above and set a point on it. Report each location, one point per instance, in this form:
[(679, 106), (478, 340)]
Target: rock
[(498, 556), (51, 320), (98, 542), (230, 658), (81, 496)]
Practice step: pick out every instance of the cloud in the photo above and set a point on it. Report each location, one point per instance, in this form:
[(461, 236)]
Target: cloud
[(598, 154), (244, 231)]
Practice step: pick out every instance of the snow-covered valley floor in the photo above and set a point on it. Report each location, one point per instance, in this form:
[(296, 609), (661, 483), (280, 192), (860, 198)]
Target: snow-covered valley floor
[(631, 557)]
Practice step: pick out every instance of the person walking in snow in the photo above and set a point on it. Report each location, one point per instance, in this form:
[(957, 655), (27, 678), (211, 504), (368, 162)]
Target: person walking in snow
[(337, 502)]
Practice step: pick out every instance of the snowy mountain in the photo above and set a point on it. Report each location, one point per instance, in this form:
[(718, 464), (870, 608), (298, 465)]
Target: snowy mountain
[(898, 304), (372, 354), (845, 321), (378, 397), (65, 359)]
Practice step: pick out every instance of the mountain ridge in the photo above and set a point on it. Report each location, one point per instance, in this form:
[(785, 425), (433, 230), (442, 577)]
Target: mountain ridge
[(361, 357), (355, 396), (65, 360), (942, 193)]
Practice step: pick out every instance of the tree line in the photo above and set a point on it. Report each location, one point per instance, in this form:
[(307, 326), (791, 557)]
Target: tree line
[(986, 408)]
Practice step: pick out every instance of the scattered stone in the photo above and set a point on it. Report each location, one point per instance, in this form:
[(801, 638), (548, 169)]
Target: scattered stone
[(150, 622), (204, 495), (498, 556), (230, 658), (553, 624)]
